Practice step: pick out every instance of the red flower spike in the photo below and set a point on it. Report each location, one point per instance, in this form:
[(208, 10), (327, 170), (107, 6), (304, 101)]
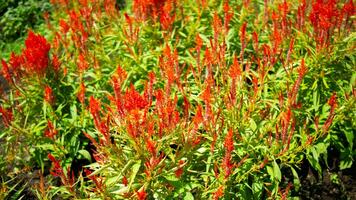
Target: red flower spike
[(301, 14), (332, 100), (151, 147), (229, 141), (48, 95), (56, 63), (323, 17), (255, 41), (94, 108), (6, 71), (121, 73), (180, 170), (255, 85), (16, 61), (206, 95), (243, 39), (293, 94), (141, 194), (64, 26), (133, 100), (166, 19), (218, 193), (199, 42), (198, 118), (227, 16), (229, 147), (125, 181), (235, 69), (290, 51), (81, 93), (57, 171), (216, 26), (7, 116), (332, 103), (50, 132), (82, 63), (36, 53)]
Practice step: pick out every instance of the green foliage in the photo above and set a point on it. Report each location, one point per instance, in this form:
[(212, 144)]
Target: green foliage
[(177, 101), (17, 16)]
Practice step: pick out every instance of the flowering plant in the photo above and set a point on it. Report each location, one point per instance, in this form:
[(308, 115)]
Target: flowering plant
[(173, 99)]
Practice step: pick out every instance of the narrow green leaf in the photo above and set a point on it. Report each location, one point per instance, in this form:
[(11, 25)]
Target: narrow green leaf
[(135, 169), (276, 171)]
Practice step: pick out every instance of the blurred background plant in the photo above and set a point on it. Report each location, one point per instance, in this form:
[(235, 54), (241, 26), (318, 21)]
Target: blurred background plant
[(16, 17)]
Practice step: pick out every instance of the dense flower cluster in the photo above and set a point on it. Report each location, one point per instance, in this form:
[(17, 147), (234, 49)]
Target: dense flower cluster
[(36, 53)]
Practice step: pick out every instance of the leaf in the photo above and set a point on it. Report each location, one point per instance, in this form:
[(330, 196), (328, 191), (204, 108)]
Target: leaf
[(135, 169), (313, 158), (188, 196), (346, 159), (85, 154), (345, 164), (296, 181), (325, 83), (349, 137), (316, 100), (277, 171), (257, 189), (270, 172), (73, 111)]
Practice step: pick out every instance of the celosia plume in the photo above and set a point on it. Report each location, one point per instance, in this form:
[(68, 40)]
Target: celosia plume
[(36, 53)]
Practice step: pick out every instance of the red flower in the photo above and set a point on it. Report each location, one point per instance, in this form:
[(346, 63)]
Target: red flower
[(243, 39), (180, 170), (15, 62), (218, 193), (151, 146), (124, 181), (332, 103), (51, 131), (94, 106), (141, 194), (229, 141), (7, 116), (235, 69), (82, 63), (48, 94), (57, 171), (81, 93), (36, 53), (64, 26), (133, 100), (5, 71), (229, 147)]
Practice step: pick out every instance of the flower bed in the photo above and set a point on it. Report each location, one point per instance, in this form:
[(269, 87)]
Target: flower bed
[(179, 99)]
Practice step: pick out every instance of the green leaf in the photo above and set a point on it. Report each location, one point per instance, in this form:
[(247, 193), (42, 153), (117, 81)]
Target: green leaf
[(349, 137), (73, 111), (296, 181), (277, 171), (188, 196), (313, 158), (345, 164), (135, 169), (85, 154), (325, 83), (257, 189), (270, 172)]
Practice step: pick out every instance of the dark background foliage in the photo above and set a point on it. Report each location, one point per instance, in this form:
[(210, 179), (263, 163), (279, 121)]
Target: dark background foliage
[(17, 16)]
